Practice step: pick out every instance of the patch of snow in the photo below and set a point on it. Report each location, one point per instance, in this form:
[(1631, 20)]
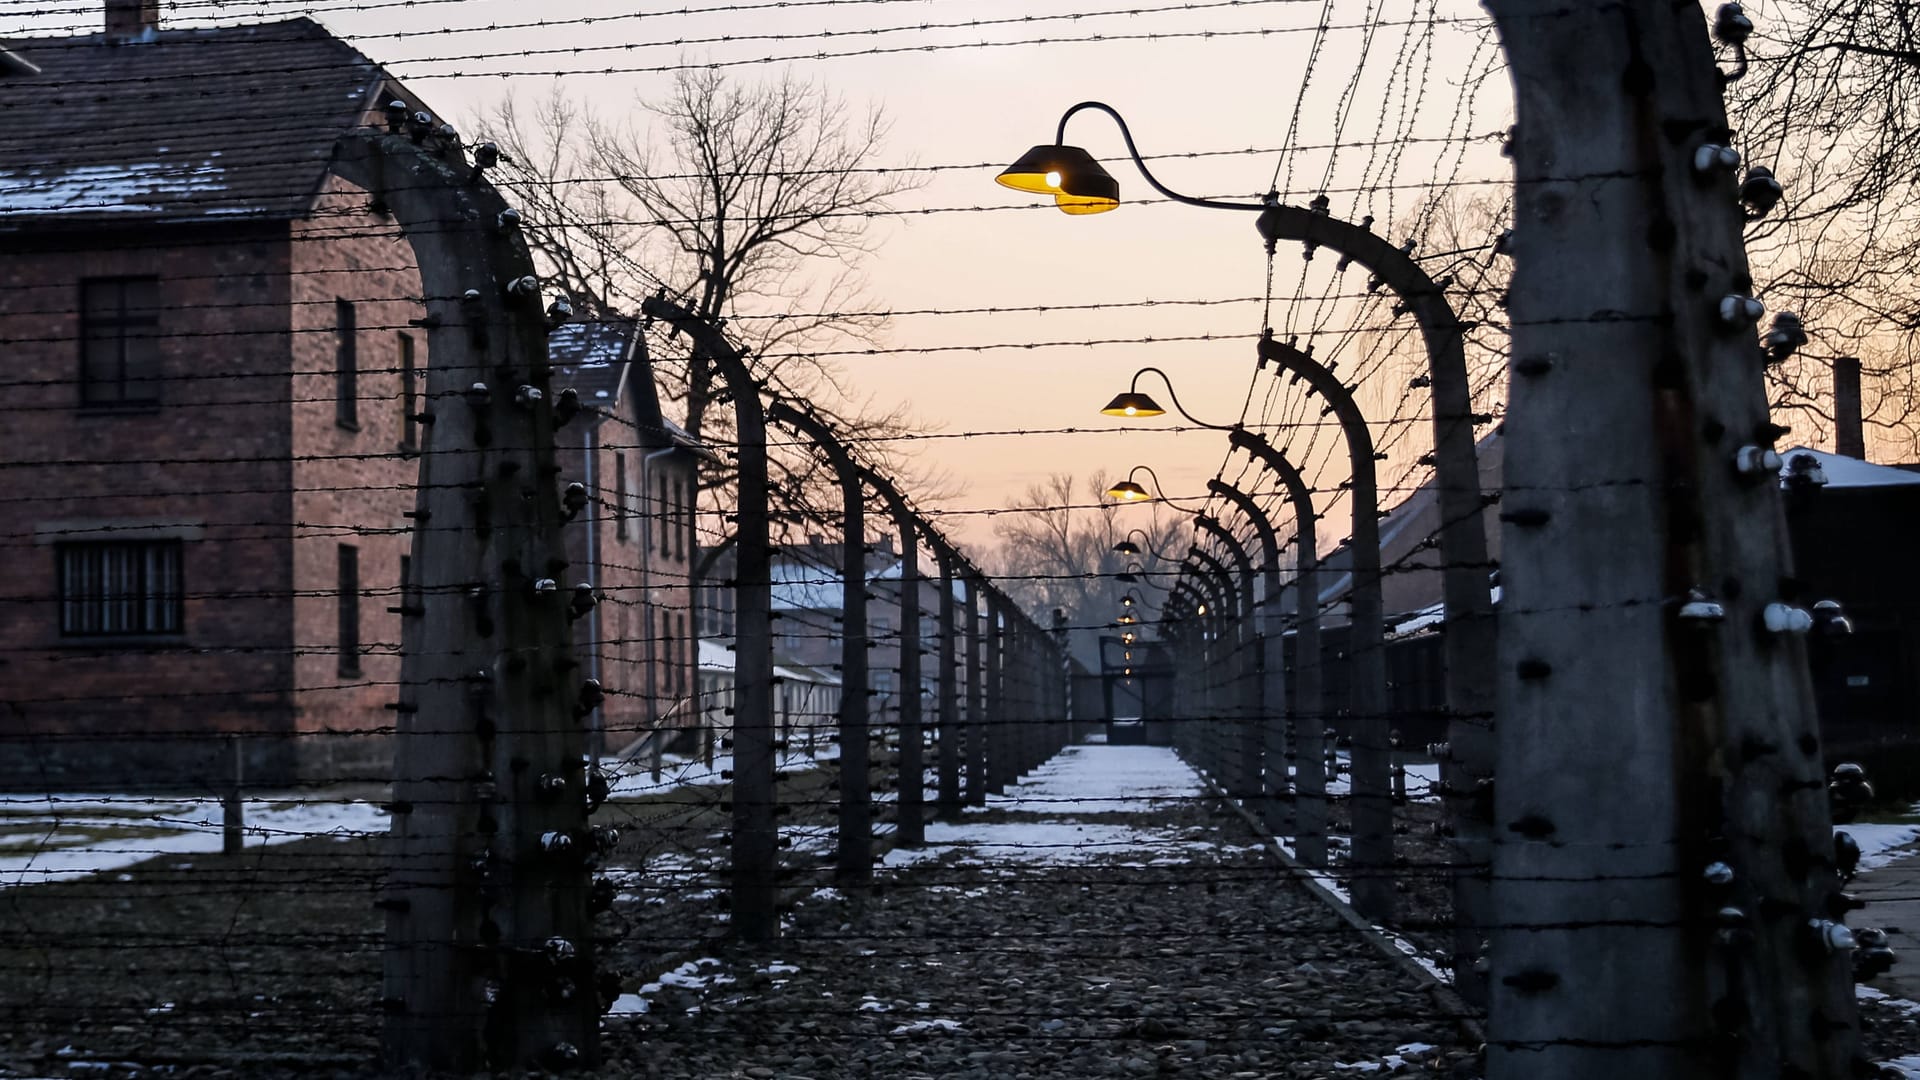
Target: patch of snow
[(919, 1026), (74, 835), (1879, 844), (133, 187)]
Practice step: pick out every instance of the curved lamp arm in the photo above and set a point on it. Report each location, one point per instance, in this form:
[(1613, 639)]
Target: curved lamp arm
[(1134, 387), (1060, 138), (1158, 491)]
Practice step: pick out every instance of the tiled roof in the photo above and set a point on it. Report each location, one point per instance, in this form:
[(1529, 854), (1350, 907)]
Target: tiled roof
[(235, 121), (591, 357)]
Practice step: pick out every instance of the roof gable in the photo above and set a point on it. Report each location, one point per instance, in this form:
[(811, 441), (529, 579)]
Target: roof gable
[(234, 121)]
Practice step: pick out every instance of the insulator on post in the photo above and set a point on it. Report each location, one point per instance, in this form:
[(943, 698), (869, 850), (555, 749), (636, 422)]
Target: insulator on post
[(1731, 26), (591, 695), (1701, 608), (1717, 874), (507, 220), (485, 156), (526, 396), (478, 396), (1756, 462), (1832, 936), (1760, 192), (1846, 855), (1712, 159), (1804, 470), (574, 501), (396, 116), (1830, 618), (583, 601), (545, 586), (1785, 338), (524, 289), (1784, 618), (419, 126), (556, 844), (1732, 928), (559, 312), (1737, 310), (1419, 382)]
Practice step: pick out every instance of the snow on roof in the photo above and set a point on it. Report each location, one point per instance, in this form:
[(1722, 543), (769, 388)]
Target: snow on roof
[(715, 656), (804, 587), (236, 121), (1849, 472)]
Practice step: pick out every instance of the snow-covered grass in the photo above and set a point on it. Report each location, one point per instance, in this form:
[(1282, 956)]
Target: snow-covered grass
[(60, 837)]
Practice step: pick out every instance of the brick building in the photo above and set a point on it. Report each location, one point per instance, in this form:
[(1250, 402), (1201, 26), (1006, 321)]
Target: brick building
[(639, 541)]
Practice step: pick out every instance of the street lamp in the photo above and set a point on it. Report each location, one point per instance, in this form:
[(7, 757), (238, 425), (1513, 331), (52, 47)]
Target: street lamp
[(1128, 491), (1080, 186)]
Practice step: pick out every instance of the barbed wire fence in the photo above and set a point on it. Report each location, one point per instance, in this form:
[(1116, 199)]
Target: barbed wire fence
[(573, 904)]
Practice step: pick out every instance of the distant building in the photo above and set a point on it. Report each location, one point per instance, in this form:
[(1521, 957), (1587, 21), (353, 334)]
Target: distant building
[(638, 541)]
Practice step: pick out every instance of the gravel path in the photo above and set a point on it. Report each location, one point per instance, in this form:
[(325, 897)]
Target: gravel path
[(1104, 919)]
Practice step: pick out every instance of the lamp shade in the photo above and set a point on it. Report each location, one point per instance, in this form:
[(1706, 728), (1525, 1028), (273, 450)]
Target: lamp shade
[(1126, 547), (1128, 491), (1077, 182), (1128, 577), (1132, 404)]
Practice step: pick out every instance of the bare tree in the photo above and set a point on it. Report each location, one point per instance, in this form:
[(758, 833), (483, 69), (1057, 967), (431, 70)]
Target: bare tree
[(1830, 102), (1056, 551), (752, 201)]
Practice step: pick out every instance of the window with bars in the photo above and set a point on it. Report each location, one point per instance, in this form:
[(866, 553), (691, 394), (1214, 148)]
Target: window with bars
[(119, 341), (120, 588)]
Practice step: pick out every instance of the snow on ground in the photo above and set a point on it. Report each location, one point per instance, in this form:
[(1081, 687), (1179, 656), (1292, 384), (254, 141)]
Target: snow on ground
[(1087, 779), (1880, 844), (1099, 779), (1393, 1062), (60, 837), (1423, 778), (634, 779)]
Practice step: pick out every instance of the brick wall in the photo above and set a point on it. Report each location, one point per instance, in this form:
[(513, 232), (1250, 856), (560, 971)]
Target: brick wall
[(353, 475), (205, 466)]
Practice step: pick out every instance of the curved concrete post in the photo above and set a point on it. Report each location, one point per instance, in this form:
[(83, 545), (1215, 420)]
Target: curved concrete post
[(1268, 736), (911, 830), (487, 678), (1241, 745), (854, 853), (1372, 807), (949, 801), (1311, 711)]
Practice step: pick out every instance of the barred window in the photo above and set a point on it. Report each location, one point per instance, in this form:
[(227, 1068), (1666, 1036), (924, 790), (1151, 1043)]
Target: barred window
[(120, 588)]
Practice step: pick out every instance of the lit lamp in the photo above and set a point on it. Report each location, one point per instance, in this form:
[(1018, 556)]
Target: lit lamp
[(1127, 547), (1133, 403), (1128, 491), (1075, 180)]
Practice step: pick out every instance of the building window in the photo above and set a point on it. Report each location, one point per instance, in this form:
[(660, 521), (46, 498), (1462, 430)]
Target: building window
[(684, 507), (666, 517), (409, 401), (120, 588), (119, 341), (346, 366), (620, 496), (349, 587)]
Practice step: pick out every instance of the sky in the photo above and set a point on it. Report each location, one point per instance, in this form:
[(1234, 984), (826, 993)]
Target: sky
[(1234, 80)]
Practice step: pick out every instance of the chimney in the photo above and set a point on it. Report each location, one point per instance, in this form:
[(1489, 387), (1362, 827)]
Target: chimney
[(128, 19), (1849, 436)]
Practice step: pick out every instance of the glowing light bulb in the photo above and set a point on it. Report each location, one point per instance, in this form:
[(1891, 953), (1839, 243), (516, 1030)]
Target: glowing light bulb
[(1131, 411), (1053, 178)]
